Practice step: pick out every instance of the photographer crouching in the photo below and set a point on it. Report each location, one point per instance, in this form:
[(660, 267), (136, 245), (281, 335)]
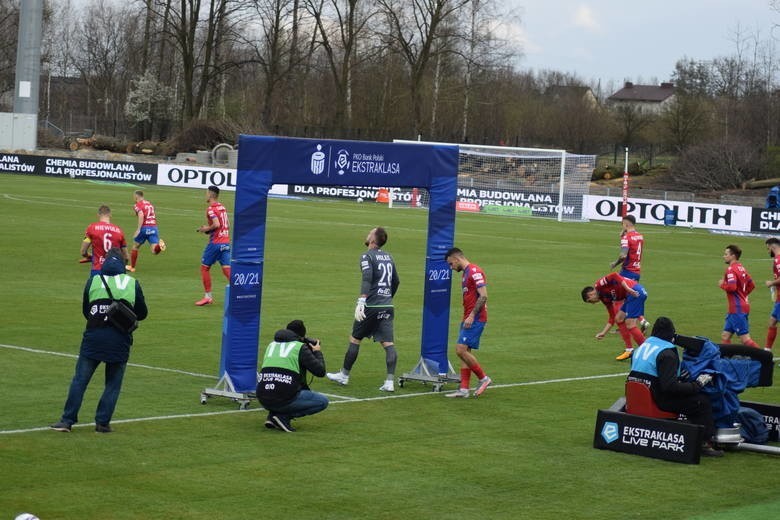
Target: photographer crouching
[(282, 387)]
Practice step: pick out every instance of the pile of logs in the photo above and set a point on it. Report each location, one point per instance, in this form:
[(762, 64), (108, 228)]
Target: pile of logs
[(113, 144), (763, 183)]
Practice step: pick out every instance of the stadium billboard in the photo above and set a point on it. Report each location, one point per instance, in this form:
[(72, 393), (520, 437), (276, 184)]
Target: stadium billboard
[(766, 221), (687, 214), (79, 168), (521, 202), (676, 441), (192, 176), (493, 201)]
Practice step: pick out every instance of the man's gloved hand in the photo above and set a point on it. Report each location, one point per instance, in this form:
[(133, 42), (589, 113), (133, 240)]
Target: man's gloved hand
[(685, 376), (704, 379), (360, 309)]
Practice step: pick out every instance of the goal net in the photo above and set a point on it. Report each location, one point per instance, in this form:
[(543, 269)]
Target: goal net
[(514, 181)]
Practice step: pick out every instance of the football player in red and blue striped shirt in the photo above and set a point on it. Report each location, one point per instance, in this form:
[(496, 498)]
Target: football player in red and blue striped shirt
[(737, 284), (612, 288), (773, 246)]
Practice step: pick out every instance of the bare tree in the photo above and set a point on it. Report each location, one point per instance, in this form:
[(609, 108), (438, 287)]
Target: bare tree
[(738, 88), (631, 120), (198, 29), (686, 120), (412, 30), (341, 26), (718, 165), (9, 30), (271, 46), (58, 46), (101, 55), (482, 47)]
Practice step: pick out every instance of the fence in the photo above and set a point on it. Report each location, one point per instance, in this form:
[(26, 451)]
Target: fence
[(754, 199)]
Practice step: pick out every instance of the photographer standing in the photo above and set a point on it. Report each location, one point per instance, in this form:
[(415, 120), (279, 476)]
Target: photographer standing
[(103, 342), (282, 387)]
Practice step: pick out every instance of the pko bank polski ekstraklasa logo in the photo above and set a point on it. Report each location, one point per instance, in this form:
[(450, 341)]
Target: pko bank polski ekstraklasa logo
[(610, 432), (318, 161), (346, 162), (342, 161)]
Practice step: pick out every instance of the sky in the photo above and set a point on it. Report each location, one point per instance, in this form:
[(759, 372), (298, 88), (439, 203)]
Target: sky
[(619, 40)]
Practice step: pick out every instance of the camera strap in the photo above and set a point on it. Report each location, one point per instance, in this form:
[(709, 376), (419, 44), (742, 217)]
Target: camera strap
[(108, 289)]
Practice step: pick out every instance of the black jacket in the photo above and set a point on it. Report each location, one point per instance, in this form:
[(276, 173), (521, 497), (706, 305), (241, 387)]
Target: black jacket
[(308, 361), (667, 387)]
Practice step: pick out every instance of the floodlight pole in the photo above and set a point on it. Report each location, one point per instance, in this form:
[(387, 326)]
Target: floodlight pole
[(28, 72)]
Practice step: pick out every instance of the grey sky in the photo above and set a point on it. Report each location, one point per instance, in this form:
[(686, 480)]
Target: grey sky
[(623, 39), (618, 40)]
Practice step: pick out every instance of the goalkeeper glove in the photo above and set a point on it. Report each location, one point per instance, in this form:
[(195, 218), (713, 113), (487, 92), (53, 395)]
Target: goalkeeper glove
[(704, 379), (360, 309)]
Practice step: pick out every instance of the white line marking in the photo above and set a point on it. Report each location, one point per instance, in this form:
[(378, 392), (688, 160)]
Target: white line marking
[(341, 398), (69, 203), (347, 400), (74, 356)]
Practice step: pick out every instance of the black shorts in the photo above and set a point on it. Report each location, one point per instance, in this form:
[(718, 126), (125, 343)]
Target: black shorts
[(378, 324)]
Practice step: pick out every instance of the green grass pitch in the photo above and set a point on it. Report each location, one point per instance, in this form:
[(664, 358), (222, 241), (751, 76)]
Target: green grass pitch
[(522, 450)]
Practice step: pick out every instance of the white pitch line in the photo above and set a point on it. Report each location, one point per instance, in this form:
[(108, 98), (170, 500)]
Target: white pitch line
[(138, 365), (344, 400), (69, 203)]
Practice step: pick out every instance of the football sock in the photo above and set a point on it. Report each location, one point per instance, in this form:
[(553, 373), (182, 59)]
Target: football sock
[(226, 271), (639, 338), (625, 334), (391, 357), (465, 375), (133, 257), (771, 334), (350, 357), (206, 277), (477, 369), (750, 343)]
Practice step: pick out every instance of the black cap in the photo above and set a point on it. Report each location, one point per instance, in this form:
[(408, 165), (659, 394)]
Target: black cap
[(664, 328), (297, 327)]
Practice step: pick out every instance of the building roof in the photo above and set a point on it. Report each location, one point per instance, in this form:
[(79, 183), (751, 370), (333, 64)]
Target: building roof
[(648, 93)]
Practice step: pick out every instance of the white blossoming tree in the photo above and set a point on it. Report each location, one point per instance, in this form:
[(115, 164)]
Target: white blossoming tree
[(149, 104)]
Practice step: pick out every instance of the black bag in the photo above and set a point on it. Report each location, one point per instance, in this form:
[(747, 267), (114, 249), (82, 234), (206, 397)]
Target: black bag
[(119, 314)]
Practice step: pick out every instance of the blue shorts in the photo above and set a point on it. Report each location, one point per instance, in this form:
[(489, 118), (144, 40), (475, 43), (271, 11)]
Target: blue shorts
[(470, 336), (214, 253), (776, 311), (629, 274), (147, 233), (634, 306), (736, 324)]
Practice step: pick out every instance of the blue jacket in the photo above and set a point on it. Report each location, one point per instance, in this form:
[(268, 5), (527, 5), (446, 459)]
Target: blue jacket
[(773, 198), (102, 341), (731, 377)]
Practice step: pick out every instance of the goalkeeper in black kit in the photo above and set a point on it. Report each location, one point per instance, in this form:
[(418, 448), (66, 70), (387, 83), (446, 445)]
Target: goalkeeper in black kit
[(374, 308)]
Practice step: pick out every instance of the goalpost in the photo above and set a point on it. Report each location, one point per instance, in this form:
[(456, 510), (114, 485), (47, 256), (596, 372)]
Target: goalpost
[(514, 181)]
